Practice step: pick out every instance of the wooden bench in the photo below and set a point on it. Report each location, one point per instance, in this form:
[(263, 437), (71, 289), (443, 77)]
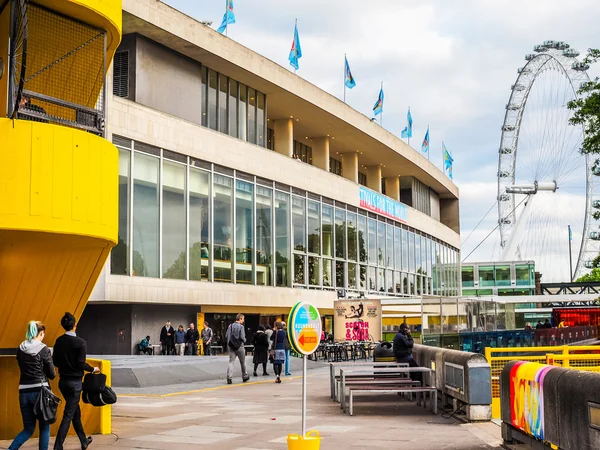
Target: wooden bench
[(393, 390)]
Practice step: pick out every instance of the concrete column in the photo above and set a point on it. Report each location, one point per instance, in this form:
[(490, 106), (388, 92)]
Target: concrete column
[(374, 178), (320, 153), (284, 136), (392, 187), (350, 166)]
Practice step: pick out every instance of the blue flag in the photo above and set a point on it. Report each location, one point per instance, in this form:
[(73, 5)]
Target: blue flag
[(348, 78), (407, 132), (448, 160), (378, 107), (228, 17), (296, 51), (425, 144)]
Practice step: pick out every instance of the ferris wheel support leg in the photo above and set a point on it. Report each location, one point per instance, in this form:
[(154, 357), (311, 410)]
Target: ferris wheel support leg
[(510, 250)]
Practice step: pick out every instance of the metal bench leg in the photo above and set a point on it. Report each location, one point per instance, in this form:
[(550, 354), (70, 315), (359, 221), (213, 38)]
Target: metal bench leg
[(332, 382), (434, 400), (351, 404), (342, 394)]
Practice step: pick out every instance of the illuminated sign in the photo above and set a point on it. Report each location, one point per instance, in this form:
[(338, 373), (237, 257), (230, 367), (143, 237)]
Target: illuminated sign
[(383, 205)]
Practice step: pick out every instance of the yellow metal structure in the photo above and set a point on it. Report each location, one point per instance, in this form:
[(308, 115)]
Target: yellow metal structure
[(580, 357)]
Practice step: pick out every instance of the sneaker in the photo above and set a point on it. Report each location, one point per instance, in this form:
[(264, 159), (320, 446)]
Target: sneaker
[(246, 378), (229, 381), (288, 374)]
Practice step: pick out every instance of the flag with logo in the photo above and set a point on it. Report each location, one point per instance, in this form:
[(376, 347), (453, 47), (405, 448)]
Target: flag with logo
[(407, 132), (228, 17), (448, 160), (348, 78), (378, 107), (425, 144), (296, 51)]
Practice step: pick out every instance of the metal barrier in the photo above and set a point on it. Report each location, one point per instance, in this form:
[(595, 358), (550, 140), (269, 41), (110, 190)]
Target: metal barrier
[(462, 378), (547, 406), (499, 357)]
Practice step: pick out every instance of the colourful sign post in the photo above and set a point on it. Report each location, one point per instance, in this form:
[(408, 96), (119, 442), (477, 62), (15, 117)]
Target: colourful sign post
[(304, 334)]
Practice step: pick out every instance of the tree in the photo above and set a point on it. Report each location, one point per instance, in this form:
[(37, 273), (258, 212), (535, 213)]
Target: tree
[(586, 113), (594, 275)]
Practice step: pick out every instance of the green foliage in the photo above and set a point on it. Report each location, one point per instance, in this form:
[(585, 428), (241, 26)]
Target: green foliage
[(594, 275)]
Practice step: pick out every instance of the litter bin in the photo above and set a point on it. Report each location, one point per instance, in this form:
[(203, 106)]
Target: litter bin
[(383, 352), (312, 441)]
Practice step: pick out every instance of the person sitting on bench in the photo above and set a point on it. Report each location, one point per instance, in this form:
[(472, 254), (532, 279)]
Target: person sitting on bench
[(145, 347), (403, 347)]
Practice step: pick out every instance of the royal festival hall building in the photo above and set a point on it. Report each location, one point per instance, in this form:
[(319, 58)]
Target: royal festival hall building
[(245, 188)]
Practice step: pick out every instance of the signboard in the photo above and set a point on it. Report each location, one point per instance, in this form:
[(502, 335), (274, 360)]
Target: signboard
[(357, 320), (383, 205), (304, 328)]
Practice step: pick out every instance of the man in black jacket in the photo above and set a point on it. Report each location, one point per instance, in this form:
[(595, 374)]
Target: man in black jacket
[(70, 359), (167, 338), (191, 338), (403, 347)]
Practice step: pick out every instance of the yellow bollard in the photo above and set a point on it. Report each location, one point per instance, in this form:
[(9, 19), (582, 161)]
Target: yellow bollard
[(312, 441)]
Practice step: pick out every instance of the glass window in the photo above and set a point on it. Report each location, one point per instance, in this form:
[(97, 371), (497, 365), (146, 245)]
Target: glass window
[(244, 226), (251, 116), (223, 116), (404, 250), (411, 252), (389, 247), (340, 233), (260, 119), (233, 108), (424, 255), (381, 243), (199, 220), (397, 248), (299, 223), (486, 275), (468, 279), (282, 238), (313, 270), (145, 215), (380, 279), (119, 256), (430, 257), (243, 107), (521, 271), (314, 227), (212, 99), (327, 272), (372, 278), (174, 254), (362, 238), (264, 258), (351, 221), (299, 264), (411, 282), (327, 230), (502, 275), (389, 281), (362, 277), (340, 278), (372, 241), (352, 276), (204, 81), (398, 282), (223, 207), (404, 277), (418, 267)]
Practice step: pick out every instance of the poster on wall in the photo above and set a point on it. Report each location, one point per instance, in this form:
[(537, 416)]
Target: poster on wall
[(357, 320)]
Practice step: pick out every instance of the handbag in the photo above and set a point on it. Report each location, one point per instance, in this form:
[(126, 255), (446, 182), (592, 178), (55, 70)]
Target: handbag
[(96, 392), (46, 405)]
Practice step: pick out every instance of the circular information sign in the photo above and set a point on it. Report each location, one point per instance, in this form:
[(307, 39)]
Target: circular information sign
[(304, 328)]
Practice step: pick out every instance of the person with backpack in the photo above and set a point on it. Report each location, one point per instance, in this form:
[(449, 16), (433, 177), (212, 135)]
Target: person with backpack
[(35, 364), (236, 338)]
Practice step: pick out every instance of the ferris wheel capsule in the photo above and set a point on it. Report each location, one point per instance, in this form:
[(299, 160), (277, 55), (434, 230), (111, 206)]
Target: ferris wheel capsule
[(561, 45), (513, 107), (549, 44), (588, 264), (580, 66), (594, 235), (540, 49), (530, 56), (571, 53)]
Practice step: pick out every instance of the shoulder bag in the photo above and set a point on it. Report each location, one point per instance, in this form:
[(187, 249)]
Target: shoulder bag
[(272, 351), (46, 405)]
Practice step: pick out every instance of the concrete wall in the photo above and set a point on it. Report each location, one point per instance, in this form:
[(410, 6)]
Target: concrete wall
[(449, 213), (128, 44), (434, 198), (148, 320), (107, 329), (167, 81)]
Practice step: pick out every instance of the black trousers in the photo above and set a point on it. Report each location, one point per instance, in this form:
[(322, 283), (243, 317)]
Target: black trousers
[(415, 376), (71, 392)]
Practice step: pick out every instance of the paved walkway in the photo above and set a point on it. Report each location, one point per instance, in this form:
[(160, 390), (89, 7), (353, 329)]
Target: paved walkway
[(260, 414)]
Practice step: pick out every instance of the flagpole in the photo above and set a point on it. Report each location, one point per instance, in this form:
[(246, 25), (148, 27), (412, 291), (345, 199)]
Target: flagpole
[(443, 162), (295, 28), (428, 142), (381, 119), (344, 78), (226, 17), (409, 126)]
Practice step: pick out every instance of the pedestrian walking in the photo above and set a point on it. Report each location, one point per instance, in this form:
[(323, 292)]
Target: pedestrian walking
[(236, 338), (261, 350), (167, 338), (70, 358), (192, 337), (180, 341), (207, 338), (35, 364), (287, 352), (278, 352), (269, 333)]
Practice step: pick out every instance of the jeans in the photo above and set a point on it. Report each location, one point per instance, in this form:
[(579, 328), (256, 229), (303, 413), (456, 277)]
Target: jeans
[(167, 349), (26, 401), (71, 391), (207, 349), (193, 349), (287, 362), (179, 349), (241, 354)]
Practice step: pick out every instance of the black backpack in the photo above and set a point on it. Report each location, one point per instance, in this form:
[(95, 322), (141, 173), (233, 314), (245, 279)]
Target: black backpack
[(96, 392), (234, 342)]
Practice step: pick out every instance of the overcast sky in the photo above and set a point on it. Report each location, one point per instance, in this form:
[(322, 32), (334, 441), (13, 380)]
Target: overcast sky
[(453, 62)]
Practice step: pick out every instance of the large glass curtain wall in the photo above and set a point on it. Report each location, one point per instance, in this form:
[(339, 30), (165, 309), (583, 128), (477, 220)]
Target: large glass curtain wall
[(185, 219), (233, 108)]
